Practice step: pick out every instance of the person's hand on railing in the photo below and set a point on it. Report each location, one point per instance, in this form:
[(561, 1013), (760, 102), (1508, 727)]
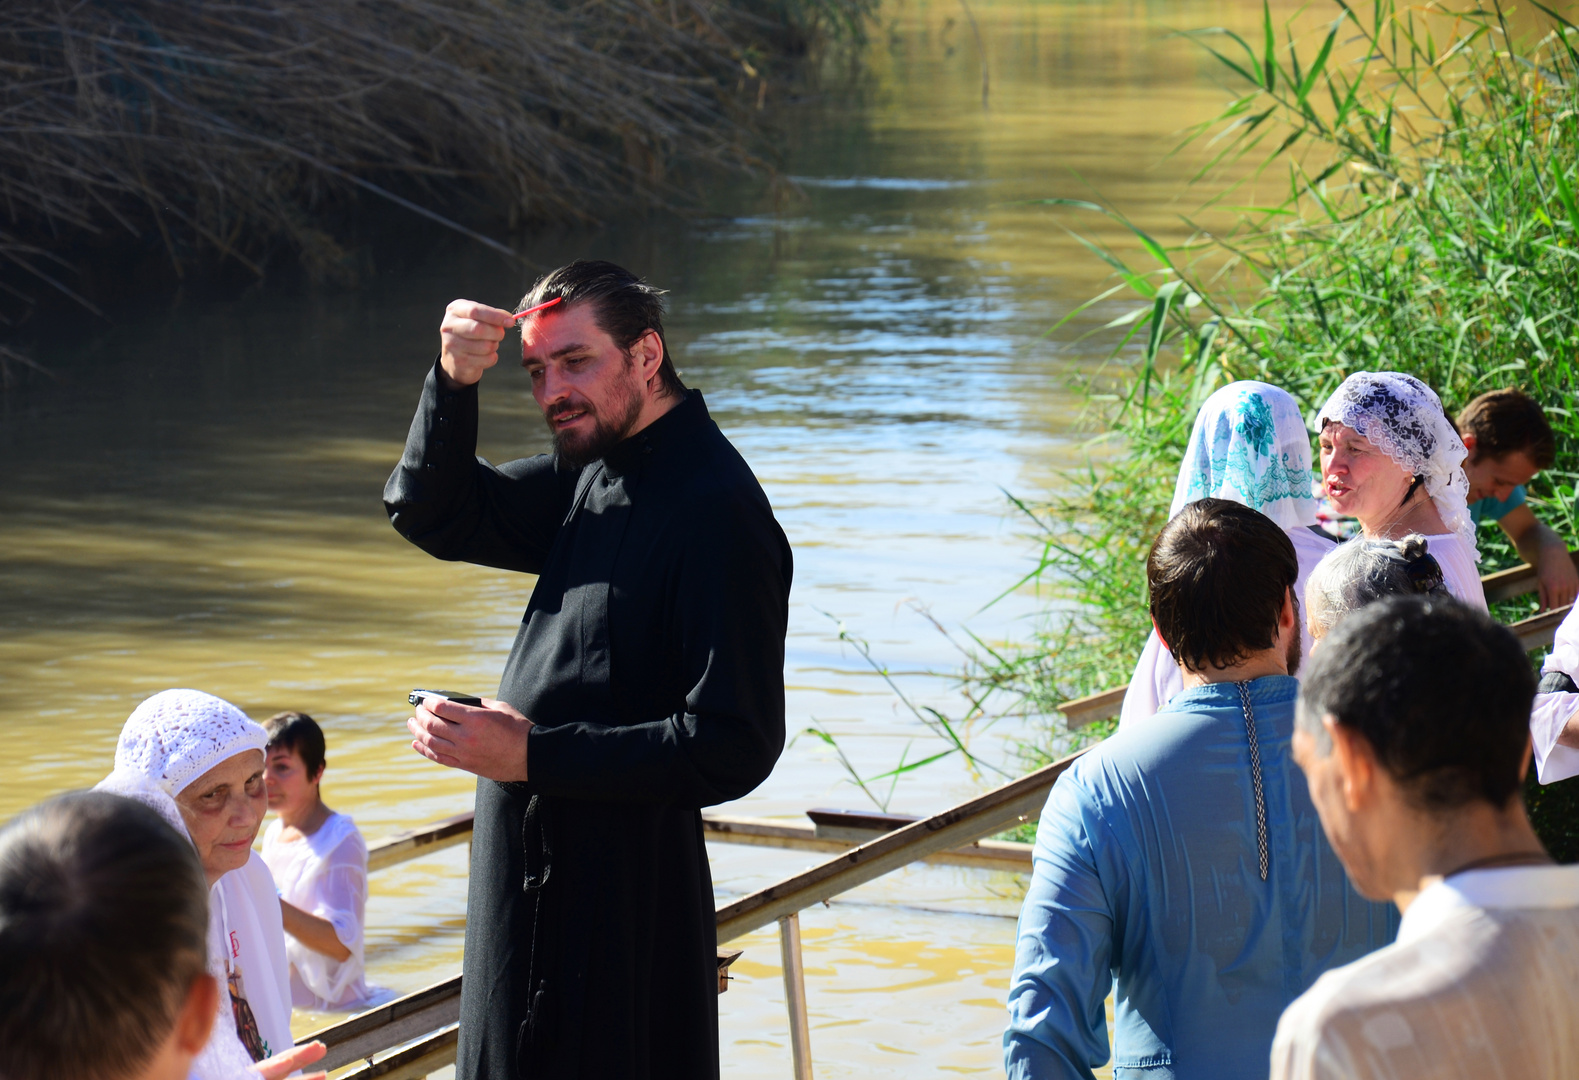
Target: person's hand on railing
[(1557, 581), (286, 1062)]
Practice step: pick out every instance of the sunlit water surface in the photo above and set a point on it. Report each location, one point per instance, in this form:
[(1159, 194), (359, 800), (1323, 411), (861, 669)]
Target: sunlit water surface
[(195, 499)]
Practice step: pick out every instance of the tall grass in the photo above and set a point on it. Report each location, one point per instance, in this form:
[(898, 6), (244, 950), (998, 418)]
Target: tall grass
[(1426, 222), (225, 132)]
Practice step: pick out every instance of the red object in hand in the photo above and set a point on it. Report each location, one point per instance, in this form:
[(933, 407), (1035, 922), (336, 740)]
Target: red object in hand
[(518, 316)]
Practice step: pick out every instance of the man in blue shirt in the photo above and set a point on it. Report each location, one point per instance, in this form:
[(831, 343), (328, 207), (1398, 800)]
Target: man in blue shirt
[(1509, 441), (1182, 857)]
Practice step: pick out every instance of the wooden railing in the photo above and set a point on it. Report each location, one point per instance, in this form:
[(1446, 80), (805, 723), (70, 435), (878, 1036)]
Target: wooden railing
[(1535, 632), (865, 846)]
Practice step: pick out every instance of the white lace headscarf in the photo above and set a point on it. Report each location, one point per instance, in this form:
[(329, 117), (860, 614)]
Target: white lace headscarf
[(169, 741), (1250, 445), (1404, 419)]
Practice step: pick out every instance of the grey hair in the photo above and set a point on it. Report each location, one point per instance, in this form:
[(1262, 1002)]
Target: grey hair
[(1310, 721), (1362, 571)]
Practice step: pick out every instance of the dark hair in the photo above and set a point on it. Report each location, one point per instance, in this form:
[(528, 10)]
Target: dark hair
[(103, 927), (1507, 421), (1440, 690), (1218, 573), (625, 306), (299, 732)]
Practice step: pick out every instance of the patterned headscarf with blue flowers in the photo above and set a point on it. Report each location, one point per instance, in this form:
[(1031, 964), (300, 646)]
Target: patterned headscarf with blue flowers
[(1250, 445)]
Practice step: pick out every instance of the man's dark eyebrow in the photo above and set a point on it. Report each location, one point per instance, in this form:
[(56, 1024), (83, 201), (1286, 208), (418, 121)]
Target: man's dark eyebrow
[(563, 350)]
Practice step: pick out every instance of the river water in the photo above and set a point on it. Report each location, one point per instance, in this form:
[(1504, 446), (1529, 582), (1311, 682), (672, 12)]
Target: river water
[(193, 499)]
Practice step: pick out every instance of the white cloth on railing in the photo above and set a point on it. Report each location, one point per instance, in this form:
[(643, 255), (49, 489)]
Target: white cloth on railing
[(325, 874)]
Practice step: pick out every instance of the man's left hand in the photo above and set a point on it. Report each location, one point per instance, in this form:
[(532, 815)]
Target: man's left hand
[(1557, 580), (487, 740)]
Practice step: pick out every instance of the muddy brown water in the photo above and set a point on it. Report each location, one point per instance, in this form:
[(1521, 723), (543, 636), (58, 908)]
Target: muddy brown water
[(194, 500)]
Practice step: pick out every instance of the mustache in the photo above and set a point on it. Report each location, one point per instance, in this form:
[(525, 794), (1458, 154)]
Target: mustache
[(568, 407)]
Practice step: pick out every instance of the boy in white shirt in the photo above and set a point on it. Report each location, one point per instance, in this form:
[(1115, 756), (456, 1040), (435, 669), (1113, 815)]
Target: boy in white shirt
[(319, 862), (1413, 732)]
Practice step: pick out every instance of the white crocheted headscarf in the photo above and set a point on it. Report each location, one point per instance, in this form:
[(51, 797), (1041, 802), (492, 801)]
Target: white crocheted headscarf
[(1250, 445), (169, 741), (1404, 419), (178, 735)]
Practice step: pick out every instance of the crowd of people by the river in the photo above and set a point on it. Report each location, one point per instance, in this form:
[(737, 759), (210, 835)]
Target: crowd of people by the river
[(1320, 737), (1302, 853)]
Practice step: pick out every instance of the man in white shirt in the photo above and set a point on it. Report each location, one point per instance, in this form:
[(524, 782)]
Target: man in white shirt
[(1413, 731)]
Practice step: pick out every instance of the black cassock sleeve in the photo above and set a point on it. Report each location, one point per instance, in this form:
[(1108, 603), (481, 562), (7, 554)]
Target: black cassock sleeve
[(455, 506), (731, 609)]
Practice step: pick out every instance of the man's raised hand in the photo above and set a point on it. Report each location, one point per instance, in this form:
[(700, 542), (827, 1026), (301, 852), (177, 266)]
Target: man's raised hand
[(487, 740), (469, 340)]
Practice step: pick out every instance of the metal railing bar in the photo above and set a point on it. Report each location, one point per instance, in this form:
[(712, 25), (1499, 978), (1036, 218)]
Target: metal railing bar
[(378, 1029), (795, 995), (423, 840), (968, 821), (771, 832), (761, 832), (414, 1062)]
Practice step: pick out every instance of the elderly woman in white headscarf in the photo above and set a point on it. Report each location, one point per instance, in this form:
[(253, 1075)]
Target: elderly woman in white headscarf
[(1392, 459), (1249, 445), (199, 761)]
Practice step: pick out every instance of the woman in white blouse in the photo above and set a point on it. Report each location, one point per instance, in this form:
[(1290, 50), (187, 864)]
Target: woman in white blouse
[(319, 862), (1392, 459)]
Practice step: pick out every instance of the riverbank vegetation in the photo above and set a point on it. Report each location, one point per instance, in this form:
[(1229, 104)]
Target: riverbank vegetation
[(204, 135), (1425, 220), (1428, 224)]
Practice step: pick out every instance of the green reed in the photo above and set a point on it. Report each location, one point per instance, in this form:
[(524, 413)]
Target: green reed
[(1427, 223)]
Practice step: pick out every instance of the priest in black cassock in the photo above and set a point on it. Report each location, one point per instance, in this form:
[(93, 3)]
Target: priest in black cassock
[(646, 682)]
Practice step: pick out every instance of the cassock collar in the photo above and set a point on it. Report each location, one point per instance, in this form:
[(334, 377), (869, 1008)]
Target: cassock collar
[(676, 427)]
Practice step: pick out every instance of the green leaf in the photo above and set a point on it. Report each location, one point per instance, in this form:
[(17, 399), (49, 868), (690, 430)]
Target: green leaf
[(1321, 62), (1566, 194), (1269, 61)]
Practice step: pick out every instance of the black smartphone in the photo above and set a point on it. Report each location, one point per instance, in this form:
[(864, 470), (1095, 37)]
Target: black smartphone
[(416, 696)]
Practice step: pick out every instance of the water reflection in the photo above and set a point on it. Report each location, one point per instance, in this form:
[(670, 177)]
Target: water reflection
[(195, 500)]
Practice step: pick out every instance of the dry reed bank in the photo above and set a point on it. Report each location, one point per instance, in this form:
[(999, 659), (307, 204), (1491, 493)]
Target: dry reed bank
[(230, 132)]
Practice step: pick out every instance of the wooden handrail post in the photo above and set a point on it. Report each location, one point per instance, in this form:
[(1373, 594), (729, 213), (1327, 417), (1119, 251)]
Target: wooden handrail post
[(795, 995)]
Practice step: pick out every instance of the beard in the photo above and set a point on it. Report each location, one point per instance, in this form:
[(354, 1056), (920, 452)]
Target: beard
[(1296, 650), (608, 429)]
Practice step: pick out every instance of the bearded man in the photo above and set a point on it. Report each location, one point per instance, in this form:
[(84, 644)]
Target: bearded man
[(646, 681)]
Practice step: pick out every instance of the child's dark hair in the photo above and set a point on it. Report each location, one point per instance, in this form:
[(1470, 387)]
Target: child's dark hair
[(299, 732), (103, 928)]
